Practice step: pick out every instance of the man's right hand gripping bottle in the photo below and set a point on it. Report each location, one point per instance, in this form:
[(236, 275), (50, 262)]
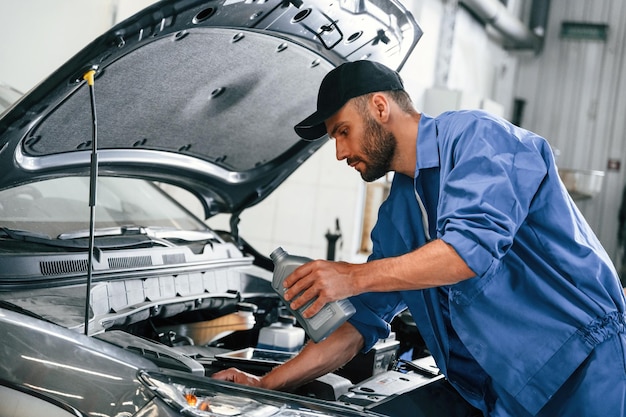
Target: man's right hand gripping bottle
[(331, 316)]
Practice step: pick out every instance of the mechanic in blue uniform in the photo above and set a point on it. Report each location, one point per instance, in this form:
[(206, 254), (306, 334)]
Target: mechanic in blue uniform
[(514, 295)]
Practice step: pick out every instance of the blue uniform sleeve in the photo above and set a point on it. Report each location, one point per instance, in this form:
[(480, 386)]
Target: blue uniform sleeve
[(492, 173), (374, 312)]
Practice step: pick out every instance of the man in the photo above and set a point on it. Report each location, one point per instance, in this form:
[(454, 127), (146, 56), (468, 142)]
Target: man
[(514, 295)]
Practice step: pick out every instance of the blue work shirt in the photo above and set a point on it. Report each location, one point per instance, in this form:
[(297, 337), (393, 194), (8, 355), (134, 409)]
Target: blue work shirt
[(545, 292)]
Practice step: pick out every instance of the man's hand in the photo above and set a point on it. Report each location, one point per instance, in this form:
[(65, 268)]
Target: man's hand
[(315, 359), (322, 281), (238, 377), (432, 265)]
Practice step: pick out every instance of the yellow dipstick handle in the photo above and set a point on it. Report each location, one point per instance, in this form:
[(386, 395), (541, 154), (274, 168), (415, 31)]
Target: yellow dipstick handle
[(89, 76)]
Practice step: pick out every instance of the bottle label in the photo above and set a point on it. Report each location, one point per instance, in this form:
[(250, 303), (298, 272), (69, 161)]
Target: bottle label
[(318, 320)]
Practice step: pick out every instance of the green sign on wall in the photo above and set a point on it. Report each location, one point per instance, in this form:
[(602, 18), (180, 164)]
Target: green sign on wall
[(584, 31)]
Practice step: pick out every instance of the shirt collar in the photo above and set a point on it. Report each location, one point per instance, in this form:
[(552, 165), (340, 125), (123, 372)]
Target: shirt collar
[(427, 151)]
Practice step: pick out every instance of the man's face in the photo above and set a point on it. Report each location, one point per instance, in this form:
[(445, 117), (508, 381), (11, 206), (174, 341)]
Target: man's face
[(379, 147), (362, 141)]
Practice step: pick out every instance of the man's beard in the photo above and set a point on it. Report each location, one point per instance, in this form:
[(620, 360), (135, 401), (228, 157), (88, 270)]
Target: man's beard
[(379, 147)]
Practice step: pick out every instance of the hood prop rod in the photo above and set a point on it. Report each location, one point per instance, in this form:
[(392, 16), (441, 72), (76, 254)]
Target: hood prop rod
[(93, 184), (234, 228)]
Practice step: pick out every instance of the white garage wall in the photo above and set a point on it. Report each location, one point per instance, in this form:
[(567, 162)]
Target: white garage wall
[(39, 35)]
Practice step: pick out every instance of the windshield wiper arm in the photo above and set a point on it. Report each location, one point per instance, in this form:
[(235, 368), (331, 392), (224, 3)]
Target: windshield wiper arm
[(143, 234), (156, 233), (105, 231), (17, 234), (68, 243), (32, 237)]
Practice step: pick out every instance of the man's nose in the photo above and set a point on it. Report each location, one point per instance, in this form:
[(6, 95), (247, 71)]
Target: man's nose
[(340, 150)]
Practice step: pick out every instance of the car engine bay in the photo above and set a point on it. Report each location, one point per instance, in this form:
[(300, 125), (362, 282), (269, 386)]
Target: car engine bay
[(201, 312)]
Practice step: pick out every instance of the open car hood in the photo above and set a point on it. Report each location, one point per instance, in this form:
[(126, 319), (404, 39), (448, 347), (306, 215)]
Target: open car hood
[(200, 94)]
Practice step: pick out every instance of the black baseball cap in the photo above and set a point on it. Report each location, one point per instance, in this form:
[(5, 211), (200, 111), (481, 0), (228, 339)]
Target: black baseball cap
[(348, 80)]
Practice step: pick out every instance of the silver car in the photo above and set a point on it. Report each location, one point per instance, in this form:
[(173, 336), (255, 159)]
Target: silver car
[(115, 300)]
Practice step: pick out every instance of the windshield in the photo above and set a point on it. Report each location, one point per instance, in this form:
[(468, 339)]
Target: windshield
[(60, 205)]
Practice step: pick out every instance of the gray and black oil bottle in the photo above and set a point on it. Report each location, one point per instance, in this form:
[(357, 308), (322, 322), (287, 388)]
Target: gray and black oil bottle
[(331, 316)]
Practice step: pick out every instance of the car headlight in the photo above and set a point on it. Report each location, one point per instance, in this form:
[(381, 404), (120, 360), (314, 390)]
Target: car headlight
[(205, 397)]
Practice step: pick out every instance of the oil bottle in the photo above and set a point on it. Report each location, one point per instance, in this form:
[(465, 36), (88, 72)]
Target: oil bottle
[(331, 316)]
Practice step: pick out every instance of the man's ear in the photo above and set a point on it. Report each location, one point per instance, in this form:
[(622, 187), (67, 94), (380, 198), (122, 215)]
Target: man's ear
[(380, 105)]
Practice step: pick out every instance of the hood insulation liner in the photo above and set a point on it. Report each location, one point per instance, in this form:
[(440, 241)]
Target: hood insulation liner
[(173, 95)]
